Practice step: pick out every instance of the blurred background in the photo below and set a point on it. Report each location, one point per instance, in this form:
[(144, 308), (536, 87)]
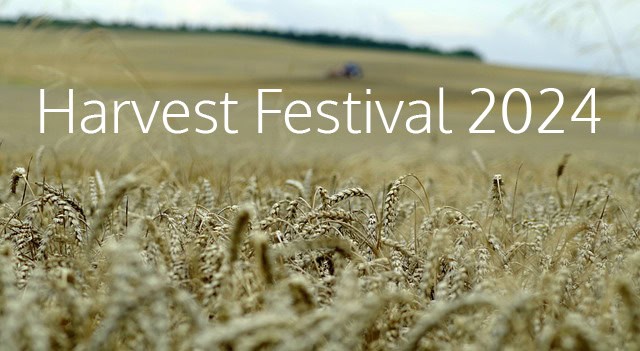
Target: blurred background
[(525, 33), (316, 50)]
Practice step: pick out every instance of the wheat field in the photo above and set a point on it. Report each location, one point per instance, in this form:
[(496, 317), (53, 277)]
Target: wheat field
[(136, 242), (138, 261)]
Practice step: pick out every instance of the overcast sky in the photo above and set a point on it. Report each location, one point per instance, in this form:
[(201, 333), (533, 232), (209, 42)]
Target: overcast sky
[(504, 32)]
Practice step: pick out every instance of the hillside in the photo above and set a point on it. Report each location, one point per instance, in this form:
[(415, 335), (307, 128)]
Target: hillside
[(147, 66)]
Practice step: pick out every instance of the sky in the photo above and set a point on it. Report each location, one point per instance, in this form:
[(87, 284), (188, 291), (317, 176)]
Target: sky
[(569, 35)]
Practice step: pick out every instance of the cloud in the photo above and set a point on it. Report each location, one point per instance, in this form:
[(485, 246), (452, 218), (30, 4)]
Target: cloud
[(212, 12), (345, 16), (425, 24)]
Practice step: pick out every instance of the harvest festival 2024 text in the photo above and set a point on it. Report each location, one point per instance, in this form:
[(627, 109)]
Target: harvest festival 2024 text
[(295, 115)]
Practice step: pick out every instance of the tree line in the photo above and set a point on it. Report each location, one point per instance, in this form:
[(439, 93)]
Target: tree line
[(319, 38)]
